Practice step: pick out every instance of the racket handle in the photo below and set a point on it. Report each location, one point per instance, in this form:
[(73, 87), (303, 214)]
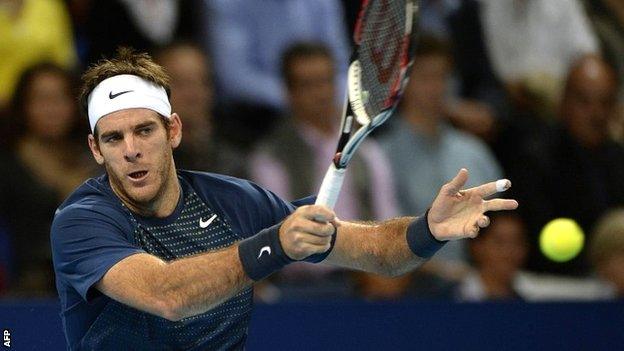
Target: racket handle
[(330, 188)]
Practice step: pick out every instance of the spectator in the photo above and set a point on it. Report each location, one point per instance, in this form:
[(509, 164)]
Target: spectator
[(41, 168), (531, 44), (246, 39), (423, 148), (142, 24), (498, 255), (192, 97), (572, 169), (294, 158), (606, 249), (434, 16), (607, 17), (32, 31)]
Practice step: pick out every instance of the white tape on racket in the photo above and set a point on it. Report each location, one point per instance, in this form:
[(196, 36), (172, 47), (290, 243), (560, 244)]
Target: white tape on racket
[(330, 188), (502, 185)]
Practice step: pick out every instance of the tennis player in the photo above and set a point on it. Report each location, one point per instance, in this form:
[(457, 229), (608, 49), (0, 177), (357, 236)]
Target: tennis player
[(151, 257)]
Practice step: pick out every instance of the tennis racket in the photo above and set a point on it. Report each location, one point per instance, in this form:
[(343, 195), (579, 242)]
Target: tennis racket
[(378, 72)]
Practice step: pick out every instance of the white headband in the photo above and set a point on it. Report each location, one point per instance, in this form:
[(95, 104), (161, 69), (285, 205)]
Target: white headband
[(126, 91)]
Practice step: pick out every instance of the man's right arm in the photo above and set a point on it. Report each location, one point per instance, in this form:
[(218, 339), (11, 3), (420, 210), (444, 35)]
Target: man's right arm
[(193, 285), (176, 289)]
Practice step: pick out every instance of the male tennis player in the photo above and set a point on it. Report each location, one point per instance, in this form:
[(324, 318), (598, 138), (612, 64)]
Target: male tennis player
[(150, 257)]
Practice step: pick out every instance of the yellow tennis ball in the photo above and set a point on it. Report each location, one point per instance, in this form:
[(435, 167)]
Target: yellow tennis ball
[(561, 239)]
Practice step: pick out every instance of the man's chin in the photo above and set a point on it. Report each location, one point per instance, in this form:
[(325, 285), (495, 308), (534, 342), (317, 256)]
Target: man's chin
[(139, 196), (142, 197)]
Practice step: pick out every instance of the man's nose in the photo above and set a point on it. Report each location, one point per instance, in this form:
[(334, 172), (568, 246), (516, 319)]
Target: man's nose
[(131, 151)]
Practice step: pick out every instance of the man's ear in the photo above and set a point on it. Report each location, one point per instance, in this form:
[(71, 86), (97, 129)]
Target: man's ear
[(175, 130), (95, 150)]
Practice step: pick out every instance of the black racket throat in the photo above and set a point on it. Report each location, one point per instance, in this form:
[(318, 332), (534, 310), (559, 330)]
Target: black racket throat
[(348, 124), (346, 128)]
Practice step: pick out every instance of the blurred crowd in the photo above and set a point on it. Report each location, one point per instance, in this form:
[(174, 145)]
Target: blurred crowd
[(530, 90)]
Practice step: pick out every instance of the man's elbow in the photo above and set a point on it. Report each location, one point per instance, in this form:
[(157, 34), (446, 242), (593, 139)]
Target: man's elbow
[(385, 268), (390, 271), (169, 309)]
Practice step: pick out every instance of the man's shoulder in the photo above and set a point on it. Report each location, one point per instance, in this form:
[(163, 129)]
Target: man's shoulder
[(91, 198), (220, 188), (234, 196), (215, 182)]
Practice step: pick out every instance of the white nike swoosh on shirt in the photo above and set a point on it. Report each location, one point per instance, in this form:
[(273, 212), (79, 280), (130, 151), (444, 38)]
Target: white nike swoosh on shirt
[(203, 224), (264, 249)]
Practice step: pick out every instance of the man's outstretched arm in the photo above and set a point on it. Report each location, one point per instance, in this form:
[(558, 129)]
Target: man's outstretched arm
[(193, 285), (397, 246)]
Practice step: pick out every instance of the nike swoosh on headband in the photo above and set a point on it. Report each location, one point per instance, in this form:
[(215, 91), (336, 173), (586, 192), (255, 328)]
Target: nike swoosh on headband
[(112, 96)]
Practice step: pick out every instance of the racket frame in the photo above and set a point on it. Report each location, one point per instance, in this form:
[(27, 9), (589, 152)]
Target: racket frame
[(354, 110)]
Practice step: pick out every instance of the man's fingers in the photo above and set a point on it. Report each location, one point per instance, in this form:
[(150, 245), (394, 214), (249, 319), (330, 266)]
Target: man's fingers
[(312, 249), (500, 204), (310, 239), (321, 229), (317, 213), (455, 185), (313, 227), (492, 188), (336, 222), (483, 222), (304, 250), (502, 185)]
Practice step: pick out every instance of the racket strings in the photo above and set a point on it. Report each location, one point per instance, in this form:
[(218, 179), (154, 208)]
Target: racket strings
[(381, 52)]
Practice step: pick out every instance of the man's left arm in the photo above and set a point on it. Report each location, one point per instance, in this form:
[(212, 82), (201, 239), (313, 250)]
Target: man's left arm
[(397, 246), (380, 247)]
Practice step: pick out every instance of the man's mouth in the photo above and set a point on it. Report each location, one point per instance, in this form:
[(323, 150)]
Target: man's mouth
[(138, 175)]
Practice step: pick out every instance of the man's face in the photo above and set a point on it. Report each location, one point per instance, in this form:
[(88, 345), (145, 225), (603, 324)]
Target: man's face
[(589, 103), (612, 269), (428, 83), (502, 250), (312, 90), (50, 95), (136, 150), (191, 85)]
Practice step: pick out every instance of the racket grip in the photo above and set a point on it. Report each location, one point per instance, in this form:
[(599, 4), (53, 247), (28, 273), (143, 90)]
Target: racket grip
[(330, 188)]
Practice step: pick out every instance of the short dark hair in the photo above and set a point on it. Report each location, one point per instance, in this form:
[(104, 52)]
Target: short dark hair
[(127, 61), (430, 45), (302, 50), (168, 49)]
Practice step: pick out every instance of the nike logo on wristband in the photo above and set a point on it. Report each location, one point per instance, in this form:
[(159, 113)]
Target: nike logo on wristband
[(112, 96), (204, 224), (264, 249)]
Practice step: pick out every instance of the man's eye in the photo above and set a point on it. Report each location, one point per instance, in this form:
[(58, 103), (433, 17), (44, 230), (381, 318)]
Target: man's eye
[(145, 131), (111, 139)]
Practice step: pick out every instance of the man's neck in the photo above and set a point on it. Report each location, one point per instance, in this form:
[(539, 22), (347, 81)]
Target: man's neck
[(163, 205), (418, 119)]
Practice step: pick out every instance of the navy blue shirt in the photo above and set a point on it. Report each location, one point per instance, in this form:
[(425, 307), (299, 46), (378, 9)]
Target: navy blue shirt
[(93, 230)]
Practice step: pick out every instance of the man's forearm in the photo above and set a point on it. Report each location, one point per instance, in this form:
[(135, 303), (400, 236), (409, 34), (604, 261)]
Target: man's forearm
[(198, 284), (193, 285), (380, 248), (176, 289)]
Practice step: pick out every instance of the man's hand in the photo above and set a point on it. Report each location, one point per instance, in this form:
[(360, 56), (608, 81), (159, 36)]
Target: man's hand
[(308, 231), (457, 214)]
